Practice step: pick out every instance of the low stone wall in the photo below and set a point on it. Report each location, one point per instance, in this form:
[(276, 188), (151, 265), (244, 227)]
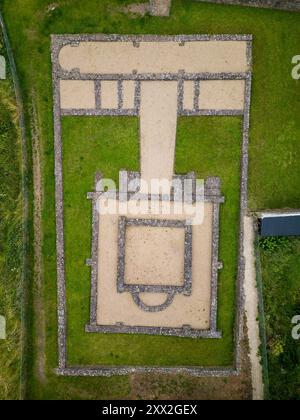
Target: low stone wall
[(273, 4)]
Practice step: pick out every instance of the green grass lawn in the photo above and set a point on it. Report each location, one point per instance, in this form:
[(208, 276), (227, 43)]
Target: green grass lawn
[(107, 144), (274, 162), (10, 239), (281, 284)]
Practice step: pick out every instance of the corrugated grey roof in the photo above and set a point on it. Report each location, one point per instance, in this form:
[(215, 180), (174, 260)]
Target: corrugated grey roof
[(288, 225)]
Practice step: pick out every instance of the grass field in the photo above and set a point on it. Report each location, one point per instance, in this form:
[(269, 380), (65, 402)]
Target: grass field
[(10, 238), (107, 144), (274, 158), (281, 284)]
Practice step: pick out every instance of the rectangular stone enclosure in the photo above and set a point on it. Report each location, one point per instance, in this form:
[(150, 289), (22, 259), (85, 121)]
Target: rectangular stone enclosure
[(152, 273)]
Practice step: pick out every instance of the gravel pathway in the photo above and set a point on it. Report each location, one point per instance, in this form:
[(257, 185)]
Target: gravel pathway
[(251, 306)]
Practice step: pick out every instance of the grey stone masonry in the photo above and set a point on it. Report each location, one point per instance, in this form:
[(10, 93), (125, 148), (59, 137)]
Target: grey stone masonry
[(127, 370), (272, 4), (93, 262)]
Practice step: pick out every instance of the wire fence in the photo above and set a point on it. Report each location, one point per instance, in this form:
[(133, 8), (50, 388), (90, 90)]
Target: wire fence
[(25, 203), (262, 322)]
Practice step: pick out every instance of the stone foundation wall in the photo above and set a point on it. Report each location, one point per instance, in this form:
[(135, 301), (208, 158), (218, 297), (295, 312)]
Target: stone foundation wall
[(273, 4)]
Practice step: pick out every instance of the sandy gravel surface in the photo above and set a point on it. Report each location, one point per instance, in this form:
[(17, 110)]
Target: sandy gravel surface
[(222, 94), (128, 94), (251, 305), (155, 57), (116, 307), (154, 255), (158, 125), (109, 94), (188, 95), (77, 94)]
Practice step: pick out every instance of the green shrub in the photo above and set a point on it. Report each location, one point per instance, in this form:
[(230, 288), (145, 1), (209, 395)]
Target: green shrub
[(281, 282), (274, 243)]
